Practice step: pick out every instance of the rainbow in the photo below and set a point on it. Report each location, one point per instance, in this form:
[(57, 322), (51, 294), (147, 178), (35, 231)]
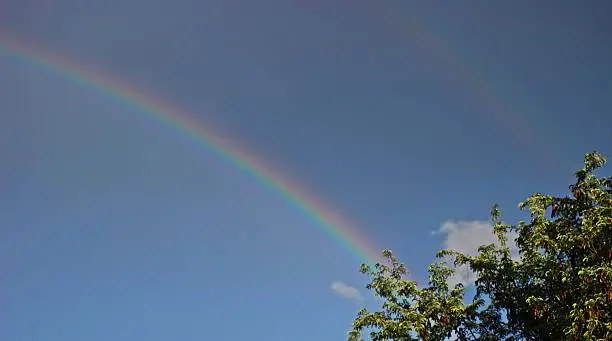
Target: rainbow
[(229, 150), (434, 47)]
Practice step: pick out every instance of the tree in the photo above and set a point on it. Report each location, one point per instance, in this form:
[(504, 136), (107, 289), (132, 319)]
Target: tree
[(558, 287)]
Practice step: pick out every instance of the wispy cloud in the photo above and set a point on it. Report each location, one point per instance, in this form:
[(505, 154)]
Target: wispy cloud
[(347, 291), (466, 237)]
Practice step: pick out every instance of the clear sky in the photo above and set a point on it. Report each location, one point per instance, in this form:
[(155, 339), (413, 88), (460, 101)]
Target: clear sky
[(405, 118)]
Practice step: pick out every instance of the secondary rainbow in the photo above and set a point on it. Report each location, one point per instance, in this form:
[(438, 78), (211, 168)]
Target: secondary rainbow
[(435, 48), (321, 214)]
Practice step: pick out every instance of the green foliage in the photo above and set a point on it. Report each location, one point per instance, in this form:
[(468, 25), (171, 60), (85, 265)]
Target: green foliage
[(558, 288)]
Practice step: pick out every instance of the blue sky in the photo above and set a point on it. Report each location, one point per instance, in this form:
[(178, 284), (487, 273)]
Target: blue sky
[(112, 227)]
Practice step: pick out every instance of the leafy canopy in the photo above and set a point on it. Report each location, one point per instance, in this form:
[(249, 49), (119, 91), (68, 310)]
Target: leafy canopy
[(558, 287)]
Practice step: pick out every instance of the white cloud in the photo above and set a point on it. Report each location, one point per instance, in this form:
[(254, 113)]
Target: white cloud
[(466, 237), (347, 291)]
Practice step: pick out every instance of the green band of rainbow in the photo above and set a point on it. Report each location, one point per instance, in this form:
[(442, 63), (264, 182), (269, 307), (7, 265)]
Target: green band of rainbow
[(332, 224)]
